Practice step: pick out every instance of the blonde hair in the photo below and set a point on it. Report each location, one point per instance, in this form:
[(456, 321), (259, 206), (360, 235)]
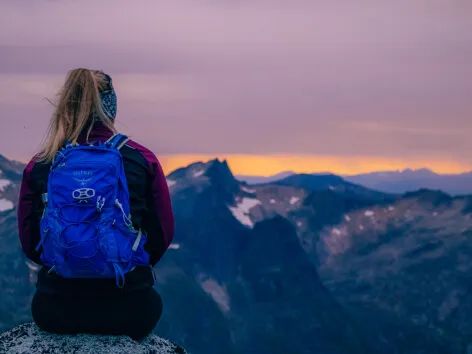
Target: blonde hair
[(78, 100)]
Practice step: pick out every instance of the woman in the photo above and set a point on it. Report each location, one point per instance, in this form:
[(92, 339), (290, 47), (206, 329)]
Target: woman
[(85, 113)]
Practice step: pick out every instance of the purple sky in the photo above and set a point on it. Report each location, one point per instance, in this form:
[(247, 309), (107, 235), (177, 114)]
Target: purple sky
[(378, 79)]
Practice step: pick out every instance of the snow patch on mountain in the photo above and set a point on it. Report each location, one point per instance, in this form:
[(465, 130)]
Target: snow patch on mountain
[(241, 210), (347, 218), (247, 190), (217, 292), (272, 201), (369, 213), (174, 246), (170, 182), (335, 240), (294, 200), (3, 184), (336, 231), (198, 173), (5, 205)]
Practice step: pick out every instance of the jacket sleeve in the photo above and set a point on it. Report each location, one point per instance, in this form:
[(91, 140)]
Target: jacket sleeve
[(28, 221), (160, 221)]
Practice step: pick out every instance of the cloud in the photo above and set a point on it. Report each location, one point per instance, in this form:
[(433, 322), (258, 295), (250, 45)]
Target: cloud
[(384, 79)]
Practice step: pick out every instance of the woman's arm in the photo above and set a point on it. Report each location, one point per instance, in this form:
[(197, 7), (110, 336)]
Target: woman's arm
[(28, 222), (159, 223)]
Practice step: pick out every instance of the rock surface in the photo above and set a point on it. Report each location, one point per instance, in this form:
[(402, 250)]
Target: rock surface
[(29, 339)]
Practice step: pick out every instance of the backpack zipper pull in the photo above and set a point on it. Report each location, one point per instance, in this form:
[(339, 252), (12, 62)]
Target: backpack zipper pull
[(100, 203), (126, 219)]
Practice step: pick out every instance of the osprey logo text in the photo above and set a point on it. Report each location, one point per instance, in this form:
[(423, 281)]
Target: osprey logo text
[(82, 173)]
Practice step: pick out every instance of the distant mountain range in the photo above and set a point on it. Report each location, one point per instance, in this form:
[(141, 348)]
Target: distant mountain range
[(411, 180), (397, 182), (304, 264)]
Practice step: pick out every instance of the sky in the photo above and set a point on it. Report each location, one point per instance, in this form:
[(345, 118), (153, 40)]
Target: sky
[(271, 85)]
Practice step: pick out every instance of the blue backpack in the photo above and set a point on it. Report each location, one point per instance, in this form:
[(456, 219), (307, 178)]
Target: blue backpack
[(86, 228)]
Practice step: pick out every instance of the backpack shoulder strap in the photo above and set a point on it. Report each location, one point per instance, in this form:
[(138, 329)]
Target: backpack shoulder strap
[(117, 141)]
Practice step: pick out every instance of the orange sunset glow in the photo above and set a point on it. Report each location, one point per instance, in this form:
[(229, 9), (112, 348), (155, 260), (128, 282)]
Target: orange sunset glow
[(269, 165)]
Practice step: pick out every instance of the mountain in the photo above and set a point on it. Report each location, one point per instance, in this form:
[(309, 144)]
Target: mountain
[(15, 283), (407, 263), (329, 216), (261, 179), (306, 264), (317, 182), (391, 182), (411, 180), (10, 169), (251, 263), (329, 221), (10, 179)]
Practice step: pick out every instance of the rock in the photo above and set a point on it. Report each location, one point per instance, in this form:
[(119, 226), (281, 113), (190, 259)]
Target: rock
[(29, 339)]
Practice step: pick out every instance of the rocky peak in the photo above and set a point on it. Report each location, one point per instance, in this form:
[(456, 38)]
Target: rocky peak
[(317, 182), (422, 172), (214, 169), (28, 338), (10, 179), (10, 169), (214, 176), (220, 174), (196, 169)]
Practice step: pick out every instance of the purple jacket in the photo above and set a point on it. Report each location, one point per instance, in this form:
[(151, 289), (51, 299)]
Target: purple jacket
[(151, 208)]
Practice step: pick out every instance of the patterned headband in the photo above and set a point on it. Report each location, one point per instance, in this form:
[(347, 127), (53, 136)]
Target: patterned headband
[(109, 100)]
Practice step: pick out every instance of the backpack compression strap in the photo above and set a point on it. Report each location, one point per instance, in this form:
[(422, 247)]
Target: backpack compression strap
[(117, 141)]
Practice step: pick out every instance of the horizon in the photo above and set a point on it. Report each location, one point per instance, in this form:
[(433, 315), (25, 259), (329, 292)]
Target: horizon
[(238, 166), (302, 86)]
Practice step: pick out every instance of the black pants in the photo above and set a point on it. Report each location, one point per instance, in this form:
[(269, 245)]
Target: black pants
[(134, 314)]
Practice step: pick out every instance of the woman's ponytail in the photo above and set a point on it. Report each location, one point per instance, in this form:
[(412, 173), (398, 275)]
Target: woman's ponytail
[(77, 108)]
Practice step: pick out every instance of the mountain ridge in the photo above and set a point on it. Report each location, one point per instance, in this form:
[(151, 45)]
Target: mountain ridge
[(394, 182)]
